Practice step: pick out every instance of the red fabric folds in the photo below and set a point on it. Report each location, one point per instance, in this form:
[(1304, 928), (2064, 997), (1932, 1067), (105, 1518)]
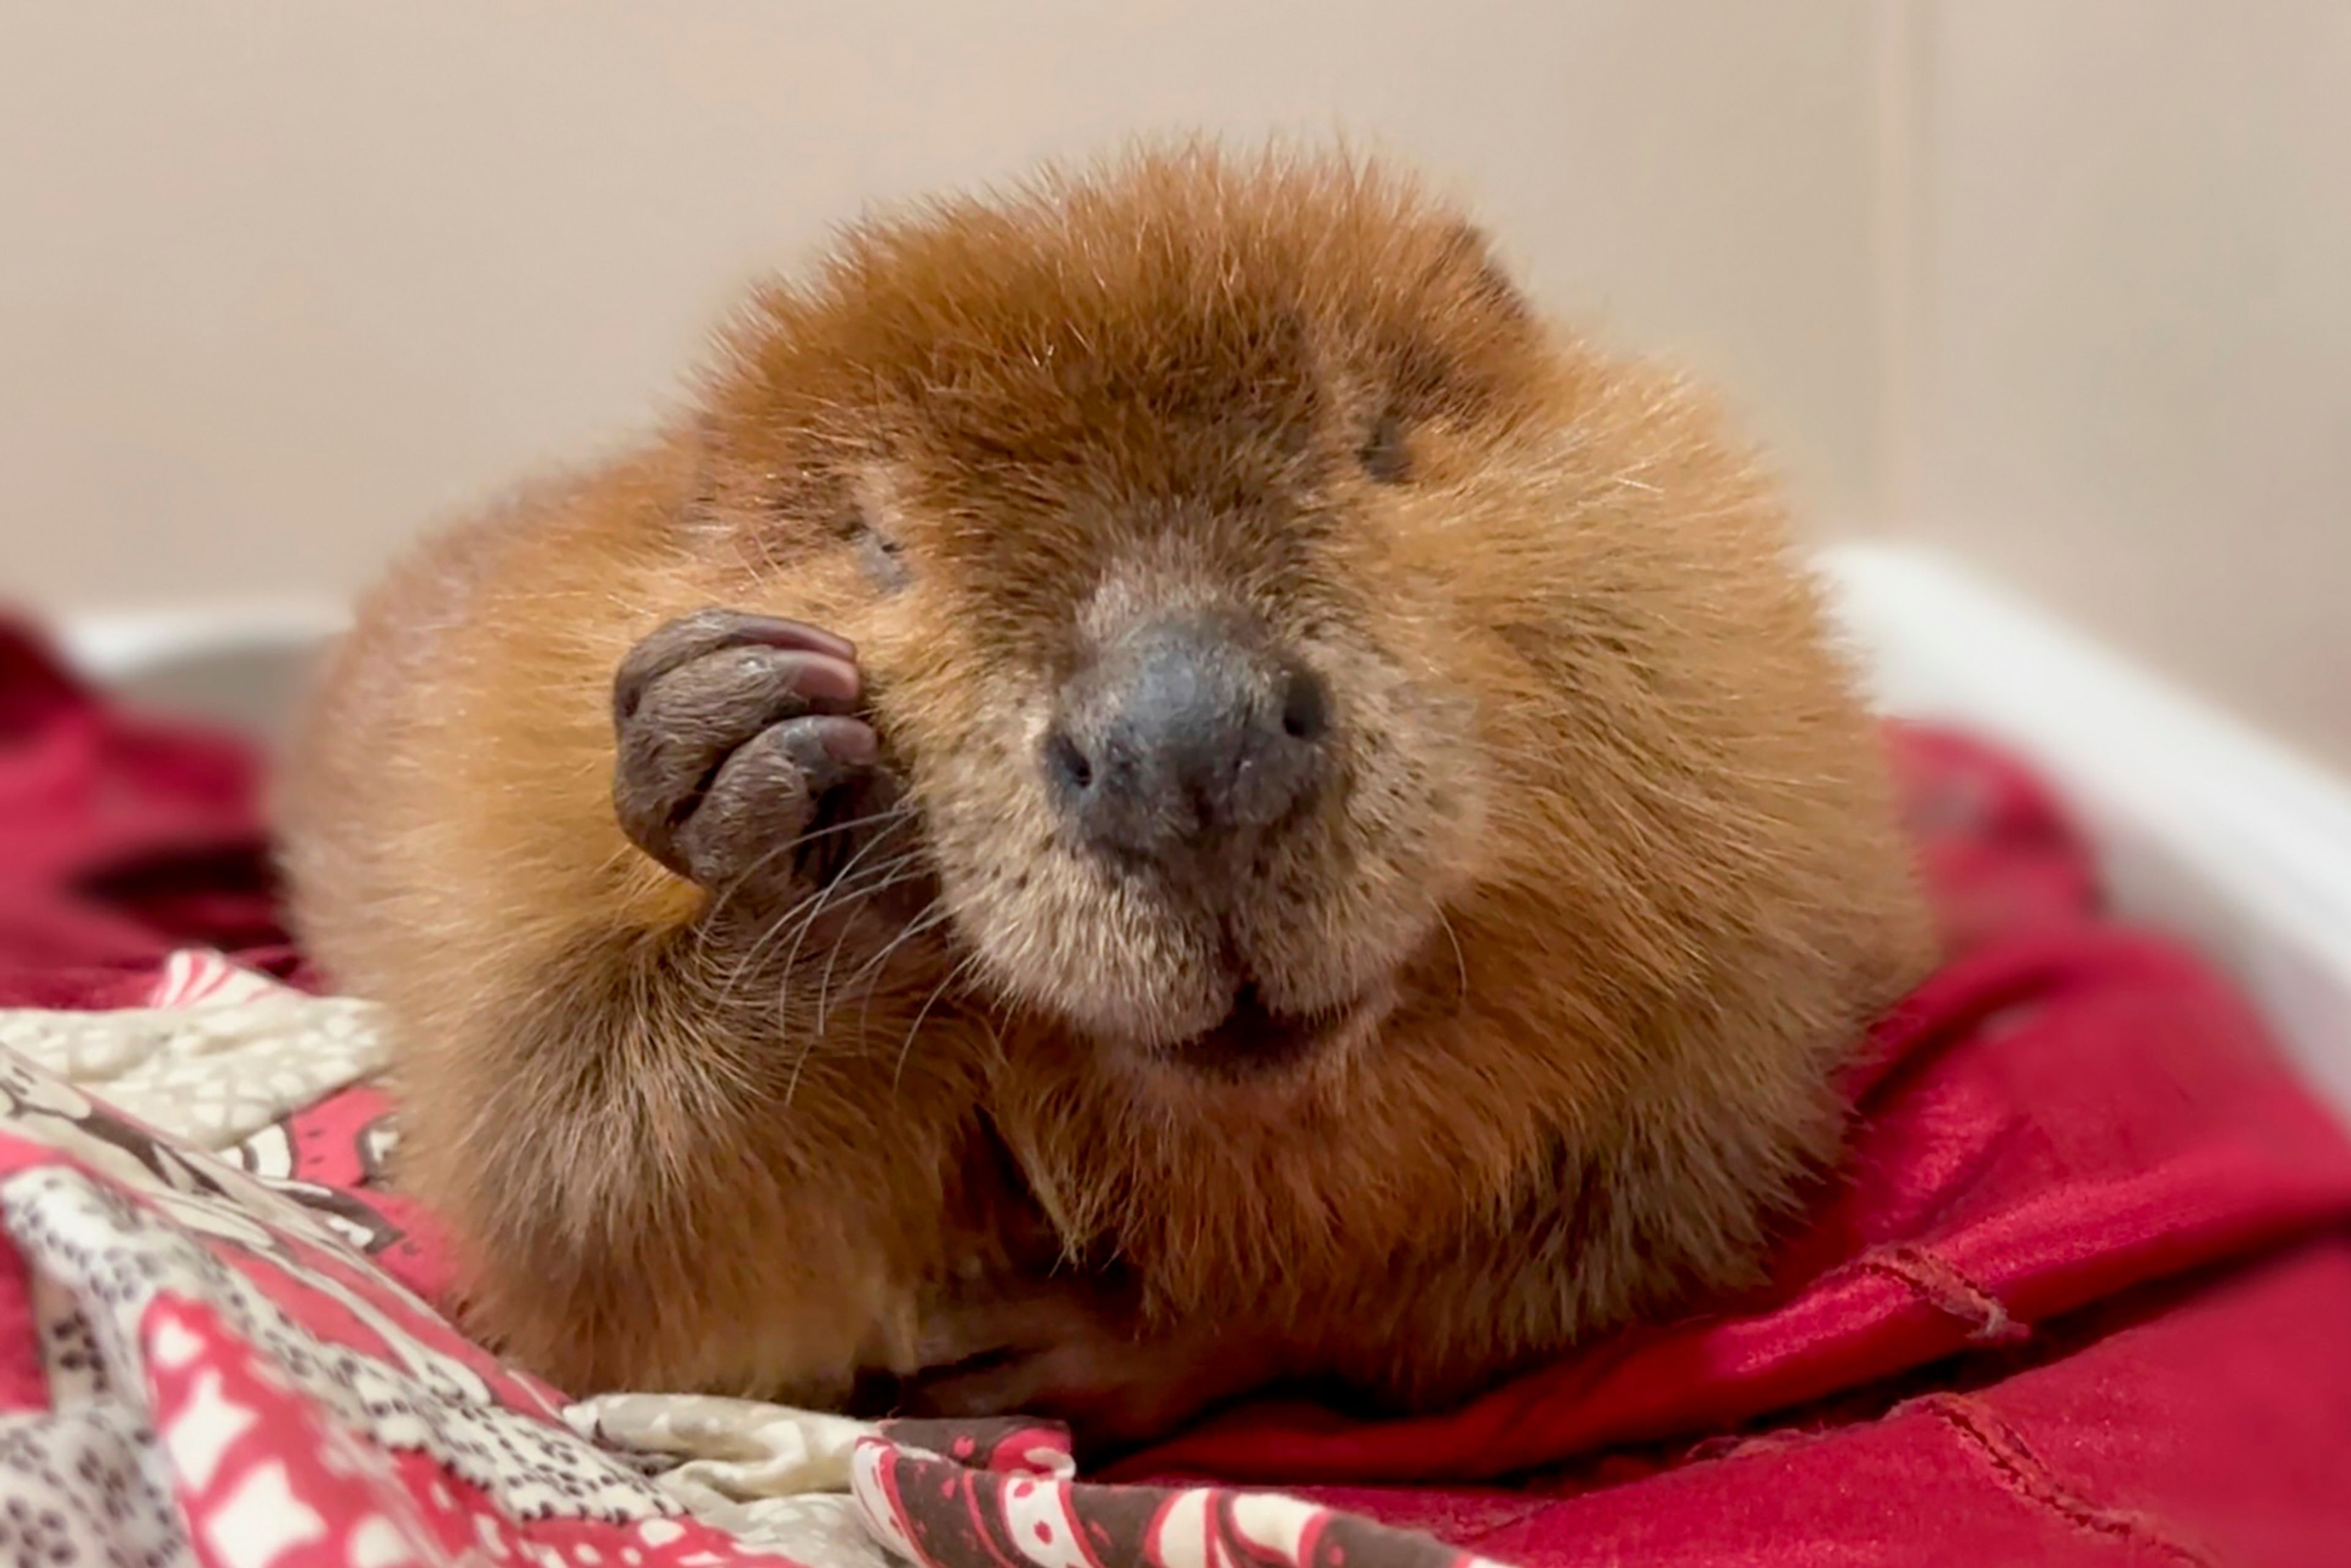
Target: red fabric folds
[(121, 838)]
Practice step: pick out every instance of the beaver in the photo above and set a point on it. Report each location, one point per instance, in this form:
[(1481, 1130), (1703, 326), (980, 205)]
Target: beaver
[(1157, 784)]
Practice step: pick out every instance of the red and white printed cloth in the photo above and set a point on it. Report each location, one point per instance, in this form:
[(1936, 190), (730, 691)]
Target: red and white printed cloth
[(227, 1361)]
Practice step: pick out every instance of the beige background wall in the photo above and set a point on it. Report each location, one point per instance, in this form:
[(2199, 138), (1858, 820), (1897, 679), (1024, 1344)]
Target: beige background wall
[(280, 281), (2134, 328), (2056, 283)]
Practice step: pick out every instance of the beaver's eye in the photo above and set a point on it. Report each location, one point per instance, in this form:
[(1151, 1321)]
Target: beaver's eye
[(883, 559), (873, 507), (1384, 455)]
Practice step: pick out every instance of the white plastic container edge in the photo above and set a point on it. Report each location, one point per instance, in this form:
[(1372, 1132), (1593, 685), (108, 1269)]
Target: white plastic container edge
[(2204, 826)]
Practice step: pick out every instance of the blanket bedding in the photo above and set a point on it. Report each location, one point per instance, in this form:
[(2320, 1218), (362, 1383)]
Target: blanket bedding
[(2076, 1297), (233, 1361)]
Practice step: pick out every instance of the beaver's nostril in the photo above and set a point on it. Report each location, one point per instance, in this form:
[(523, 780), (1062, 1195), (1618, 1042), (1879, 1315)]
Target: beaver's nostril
[(1068, 766), (1305, 707)]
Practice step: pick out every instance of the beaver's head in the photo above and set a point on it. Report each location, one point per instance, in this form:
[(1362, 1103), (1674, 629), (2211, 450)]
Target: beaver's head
[(1144, 495), (1333, 696), (1373, 747)]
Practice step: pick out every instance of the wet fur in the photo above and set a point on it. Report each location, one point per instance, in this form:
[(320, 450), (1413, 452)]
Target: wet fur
[(1614, 877)]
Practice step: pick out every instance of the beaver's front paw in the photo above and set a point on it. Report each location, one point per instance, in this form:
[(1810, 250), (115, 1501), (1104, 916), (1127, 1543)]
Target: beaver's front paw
[(741, 763), (1066, 1352)]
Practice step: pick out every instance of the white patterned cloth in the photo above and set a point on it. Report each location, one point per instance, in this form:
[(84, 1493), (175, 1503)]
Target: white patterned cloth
[(218, 1054), (762, 1472)]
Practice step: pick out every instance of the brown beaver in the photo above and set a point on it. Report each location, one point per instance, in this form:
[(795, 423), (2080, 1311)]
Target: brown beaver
[(1157, 784)]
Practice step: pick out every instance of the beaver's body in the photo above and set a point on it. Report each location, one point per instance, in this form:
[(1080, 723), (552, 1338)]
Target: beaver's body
[(1339, 827)]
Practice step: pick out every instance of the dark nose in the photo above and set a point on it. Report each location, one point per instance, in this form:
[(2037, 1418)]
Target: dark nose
[(1185, 735)]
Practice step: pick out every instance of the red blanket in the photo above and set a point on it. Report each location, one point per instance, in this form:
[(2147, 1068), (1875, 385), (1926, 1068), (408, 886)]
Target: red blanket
[(120, 839), (2079, 1295)]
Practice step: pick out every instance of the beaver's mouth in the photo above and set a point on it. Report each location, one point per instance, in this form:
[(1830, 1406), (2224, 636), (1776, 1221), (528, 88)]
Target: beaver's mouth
[(1253, 1040)]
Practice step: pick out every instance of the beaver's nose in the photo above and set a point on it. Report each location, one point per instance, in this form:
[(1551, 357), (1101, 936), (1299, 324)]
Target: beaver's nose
[(1186, 735)]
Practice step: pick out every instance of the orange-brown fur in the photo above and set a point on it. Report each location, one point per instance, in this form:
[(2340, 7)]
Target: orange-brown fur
[(1617, 869)]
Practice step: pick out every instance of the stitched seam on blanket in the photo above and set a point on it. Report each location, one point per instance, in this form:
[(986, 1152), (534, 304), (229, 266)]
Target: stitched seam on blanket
[(1470, 1541), (1935, 1281), (2023, 1473)]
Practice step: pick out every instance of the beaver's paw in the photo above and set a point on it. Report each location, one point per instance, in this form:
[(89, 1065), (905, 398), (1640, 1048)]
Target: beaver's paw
[(741, 763), (1068, 1356)]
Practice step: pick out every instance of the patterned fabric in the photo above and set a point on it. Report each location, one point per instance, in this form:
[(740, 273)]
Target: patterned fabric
[(221, 1054), (227, 1362)]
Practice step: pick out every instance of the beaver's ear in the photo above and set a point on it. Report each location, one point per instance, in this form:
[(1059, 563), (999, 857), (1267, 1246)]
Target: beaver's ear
[(1470, 253)]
